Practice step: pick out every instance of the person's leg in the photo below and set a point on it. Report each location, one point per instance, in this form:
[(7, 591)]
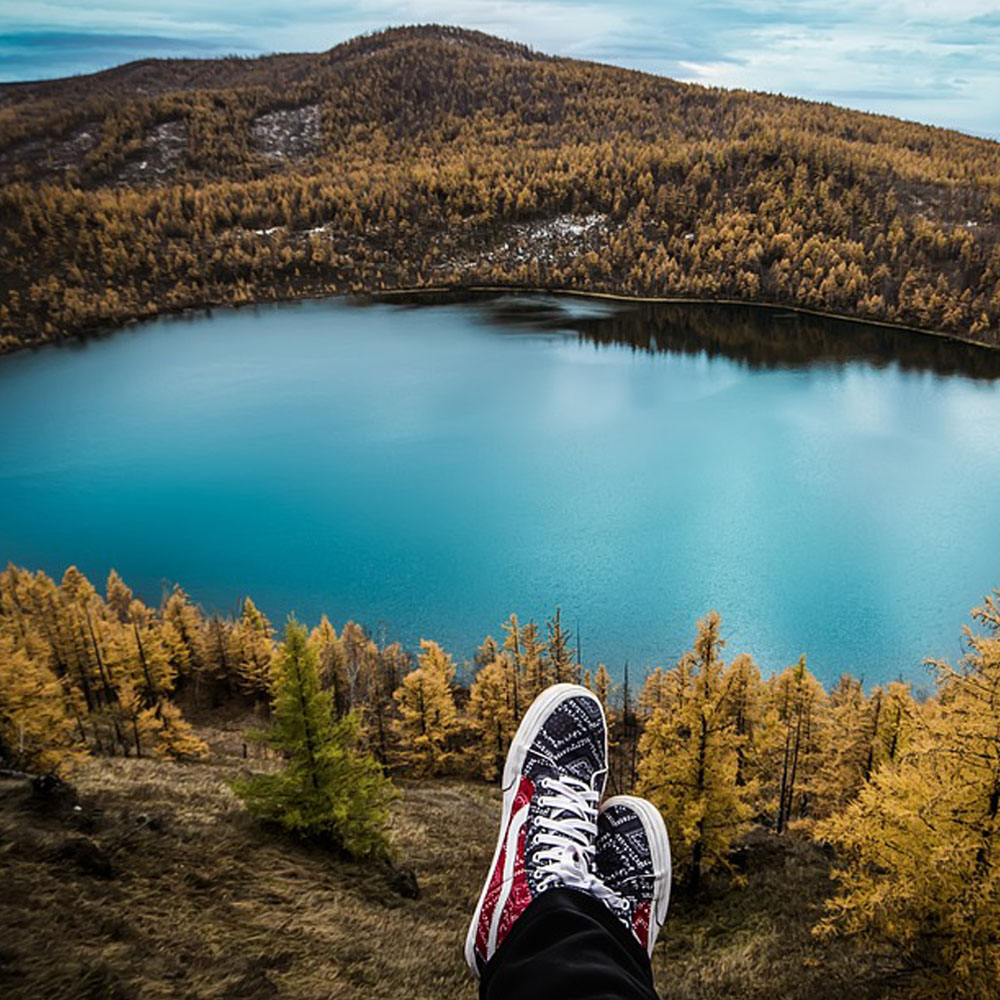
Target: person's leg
[(553, 780), (573, 900), (568, 945)]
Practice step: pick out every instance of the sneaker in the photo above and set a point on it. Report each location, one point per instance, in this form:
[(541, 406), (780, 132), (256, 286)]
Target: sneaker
[(633, 862), (552, 783)]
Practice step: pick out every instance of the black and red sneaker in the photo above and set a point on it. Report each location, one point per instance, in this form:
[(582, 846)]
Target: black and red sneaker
[(552, 783), (633, 861)]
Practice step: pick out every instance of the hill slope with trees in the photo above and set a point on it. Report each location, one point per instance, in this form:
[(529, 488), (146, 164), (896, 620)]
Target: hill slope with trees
[(900, 789), (435, 156)]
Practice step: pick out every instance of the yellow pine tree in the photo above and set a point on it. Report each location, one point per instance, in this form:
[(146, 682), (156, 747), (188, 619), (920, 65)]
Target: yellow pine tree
[(535, 670), (602, 687), (111, 659), (744, 703), (653, 693), (116, 650), (518, 687), (370, 697), (920, 847), (848, 739), (79, 612), (428, 718), (325, 643), (29, 615), (898, 719), (170, 734), (491, 711), (164, 730), (253, 650), (792, 751), (119, 597), (689, 758), (360, 660), (188, 650), (561, 661), (392, 664), (221, 659), (37, 732), (488, 651)]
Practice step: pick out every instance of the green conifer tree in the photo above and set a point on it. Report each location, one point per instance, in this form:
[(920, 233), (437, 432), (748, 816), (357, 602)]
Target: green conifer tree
[(329, 789)]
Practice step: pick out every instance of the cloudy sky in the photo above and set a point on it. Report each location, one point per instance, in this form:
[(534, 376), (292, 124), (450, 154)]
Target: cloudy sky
[(935, 61)]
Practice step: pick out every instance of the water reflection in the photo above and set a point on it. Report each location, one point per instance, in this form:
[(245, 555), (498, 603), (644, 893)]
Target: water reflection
[(758, 337), (429, 470)]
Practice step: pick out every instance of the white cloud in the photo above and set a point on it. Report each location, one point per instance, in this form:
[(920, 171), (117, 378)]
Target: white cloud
[(911, 58)]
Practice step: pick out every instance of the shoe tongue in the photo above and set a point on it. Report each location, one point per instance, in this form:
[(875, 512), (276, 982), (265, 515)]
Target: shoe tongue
[(582, 771)]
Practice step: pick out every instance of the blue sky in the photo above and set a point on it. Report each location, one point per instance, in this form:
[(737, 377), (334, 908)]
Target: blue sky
[(935, 61)]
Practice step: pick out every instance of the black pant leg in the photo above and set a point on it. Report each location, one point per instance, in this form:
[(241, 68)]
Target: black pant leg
[(568, 946)]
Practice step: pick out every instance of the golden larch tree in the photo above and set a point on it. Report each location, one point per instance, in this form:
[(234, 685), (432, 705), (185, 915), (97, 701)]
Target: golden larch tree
[(689, 759), (37, 731), (920, 847), (848, 732), (331, 664), (792, 751), (253, 650), (491, 711), (428, 718)]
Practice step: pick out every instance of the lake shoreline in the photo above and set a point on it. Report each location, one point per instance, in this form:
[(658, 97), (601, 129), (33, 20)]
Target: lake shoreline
[(375, 453), (97, 332)]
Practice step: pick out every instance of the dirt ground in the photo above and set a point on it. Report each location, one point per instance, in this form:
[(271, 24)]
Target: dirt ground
[(152, 882)]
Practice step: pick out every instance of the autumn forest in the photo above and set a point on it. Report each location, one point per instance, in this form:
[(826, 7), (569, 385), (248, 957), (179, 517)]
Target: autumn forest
[(286, 785), (438, 157), (905, 785)]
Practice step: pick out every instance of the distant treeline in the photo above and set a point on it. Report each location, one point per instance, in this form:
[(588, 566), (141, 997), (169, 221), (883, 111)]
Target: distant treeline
[(907, 789), (434, 156)]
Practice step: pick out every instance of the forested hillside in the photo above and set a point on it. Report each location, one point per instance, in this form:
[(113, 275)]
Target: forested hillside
[(902, 787), (438, 156)]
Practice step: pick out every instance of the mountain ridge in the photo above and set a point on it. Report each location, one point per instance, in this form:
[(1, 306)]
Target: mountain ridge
[(432, 155), (383, 41), (378, 41)]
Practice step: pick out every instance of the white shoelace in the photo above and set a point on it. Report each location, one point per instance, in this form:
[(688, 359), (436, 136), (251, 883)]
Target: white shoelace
[(566, 856)]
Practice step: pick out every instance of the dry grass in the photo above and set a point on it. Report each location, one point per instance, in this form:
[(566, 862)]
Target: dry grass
[(754, 940), (202, 903)]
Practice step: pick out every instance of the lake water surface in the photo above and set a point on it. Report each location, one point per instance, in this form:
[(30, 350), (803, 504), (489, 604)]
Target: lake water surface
[(428, 470)]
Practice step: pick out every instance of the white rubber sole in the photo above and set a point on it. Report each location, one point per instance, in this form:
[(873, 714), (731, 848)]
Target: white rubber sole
[(541, 708), (659, 847)]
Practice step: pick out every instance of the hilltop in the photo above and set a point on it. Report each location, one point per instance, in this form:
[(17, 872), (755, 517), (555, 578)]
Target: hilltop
[(437, 156), (840, 845), (149, 880)]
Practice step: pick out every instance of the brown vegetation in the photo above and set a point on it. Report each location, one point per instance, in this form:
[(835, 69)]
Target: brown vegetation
[(198, 902), (908, 788), (435, 156)]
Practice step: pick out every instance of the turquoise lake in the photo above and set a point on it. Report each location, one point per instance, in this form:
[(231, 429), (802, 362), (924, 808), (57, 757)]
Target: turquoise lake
[(428, 470)]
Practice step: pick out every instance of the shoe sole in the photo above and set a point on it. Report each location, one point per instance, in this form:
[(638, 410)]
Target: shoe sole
[(541, 708), (659, 849)]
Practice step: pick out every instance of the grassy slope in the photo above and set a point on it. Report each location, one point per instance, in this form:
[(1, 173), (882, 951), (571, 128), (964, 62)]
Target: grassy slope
[(202, 903)]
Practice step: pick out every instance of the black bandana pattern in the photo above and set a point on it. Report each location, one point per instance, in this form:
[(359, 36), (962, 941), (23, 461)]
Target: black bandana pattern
[(624, 858), (572, 742)]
